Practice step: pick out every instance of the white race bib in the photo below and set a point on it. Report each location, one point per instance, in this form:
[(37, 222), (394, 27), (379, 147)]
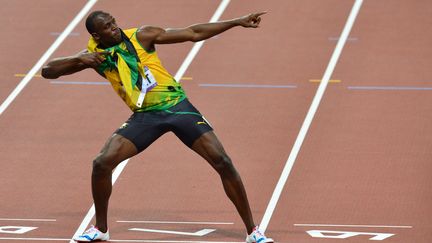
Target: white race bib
[(148, 83)]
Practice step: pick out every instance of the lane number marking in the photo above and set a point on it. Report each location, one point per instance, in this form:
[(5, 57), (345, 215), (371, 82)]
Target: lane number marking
[(16, 229), (346, 234), (198, 233)]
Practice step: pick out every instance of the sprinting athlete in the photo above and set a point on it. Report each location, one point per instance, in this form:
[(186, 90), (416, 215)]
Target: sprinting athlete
[(129, 61)]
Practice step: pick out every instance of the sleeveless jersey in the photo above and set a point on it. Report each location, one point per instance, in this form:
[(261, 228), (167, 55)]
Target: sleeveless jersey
[(159, 90)]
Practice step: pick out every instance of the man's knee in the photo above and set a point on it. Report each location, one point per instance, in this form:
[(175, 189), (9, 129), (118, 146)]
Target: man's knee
[(115, 151), (223, 164), (104, 163)]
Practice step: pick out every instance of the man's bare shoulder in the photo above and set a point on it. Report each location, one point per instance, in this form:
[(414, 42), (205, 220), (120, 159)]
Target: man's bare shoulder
[(149, 31), (147, 35)]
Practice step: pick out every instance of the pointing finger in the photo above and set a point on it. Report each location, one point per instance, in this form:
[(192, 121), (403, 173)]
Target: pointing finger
[(260, 13)]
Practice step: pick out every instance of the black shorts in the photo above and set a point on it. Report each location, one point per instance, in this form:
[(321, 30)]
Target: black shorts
[(183, 119)]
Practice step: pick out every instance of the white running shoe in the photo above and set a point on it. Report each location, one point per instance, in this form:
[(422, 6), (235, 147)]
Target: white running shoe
[(258, 237), (92, 234)]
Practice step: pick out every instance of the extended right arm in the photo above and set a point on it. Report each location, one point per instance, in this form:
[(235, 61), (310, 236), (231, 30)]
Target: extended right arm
[(68, 65)]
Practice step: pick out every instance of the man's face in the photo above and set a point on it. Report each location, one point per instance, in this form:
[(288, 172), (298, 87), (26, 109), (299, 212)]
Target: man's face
[(107, 31)]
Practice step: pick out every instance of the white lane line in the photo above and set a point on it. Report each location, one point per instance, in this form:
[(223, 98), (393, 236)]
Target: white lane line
[(355, 226), (46, 55), (113, 240), (197, 46), (122, 165), (309, 116), (36, 220), (172, 222)]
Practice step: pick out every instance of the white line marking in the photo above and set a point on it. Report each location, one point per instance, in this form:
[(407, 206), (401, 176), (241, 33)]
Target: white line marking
[(46, 55), (171, 222), (309, 116), (197, 46), (37, 220), (120, 168), (10, 229), (356, 226), (198, 233), (330, 234), (113, 240)]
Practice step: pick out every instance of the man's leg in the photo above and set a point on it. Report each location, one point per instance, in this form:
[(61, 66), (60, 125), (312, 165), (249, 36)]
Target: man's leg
[(209, 147), (116, 149)]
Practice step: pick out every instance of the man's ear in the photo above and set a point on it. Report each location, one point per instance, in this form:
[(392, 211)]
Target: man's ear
[(95, 36)]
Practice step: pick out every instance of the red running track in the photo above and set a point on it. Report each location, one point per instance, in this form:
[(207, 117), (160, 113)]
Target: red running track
[(363, 167)]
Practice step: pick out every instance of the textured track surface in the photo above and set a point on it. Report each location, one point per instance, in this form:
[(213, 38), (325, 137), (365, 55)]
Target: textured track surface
[(365, 160)]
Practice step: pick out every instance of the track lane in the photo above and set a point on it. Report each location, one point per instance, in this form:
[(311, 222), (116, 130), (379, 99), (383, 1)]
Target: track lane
[(22, 31), (365, 159)]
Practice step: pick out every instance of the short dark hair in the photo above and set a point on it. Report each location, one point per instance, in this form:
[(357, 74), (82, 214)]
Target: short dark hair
[(90, 26)]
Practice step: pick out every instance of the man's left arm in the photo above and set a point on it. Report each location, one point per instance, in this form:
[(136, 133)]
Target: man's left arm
[(153, 35)]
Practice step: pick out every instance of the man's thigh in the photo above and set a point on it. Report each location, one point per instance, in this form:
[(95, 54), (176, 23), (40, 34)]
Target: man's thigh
[(187, 123), (116, 149)]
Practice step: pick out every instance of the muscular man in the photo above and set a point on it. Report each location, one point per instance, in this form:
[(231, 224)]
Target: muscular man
[(128, 60)]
